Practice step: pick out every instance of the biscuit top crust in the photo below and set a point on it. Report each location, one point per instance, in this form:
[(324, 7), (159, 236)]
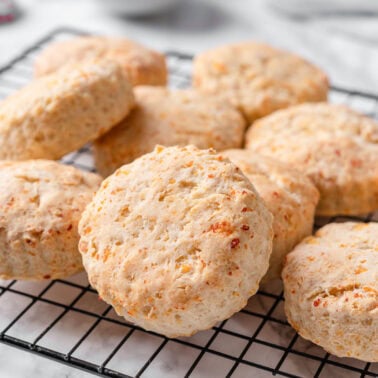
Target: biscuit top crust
[(335, 146), (314, 121), (42, 194), (40, 96), (176, 229), (169, 117), (184, 116), (337, 268), (322, 138), (259, 77), (60, 112), (41, 202), (144, 66), (331, 289)]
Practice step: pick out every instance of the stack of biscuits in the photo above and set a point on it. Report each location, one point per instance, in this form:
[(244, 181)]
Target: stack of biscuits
[(205, 193)]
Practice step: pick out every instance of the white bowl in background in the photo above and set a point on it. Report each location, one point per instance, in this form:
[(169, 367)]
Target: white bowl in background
[(137, 7)]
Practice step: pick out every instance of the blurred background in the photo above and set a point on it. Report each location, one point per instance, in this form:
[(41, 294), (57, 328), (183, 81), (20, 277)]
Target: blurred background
[(341, 36)]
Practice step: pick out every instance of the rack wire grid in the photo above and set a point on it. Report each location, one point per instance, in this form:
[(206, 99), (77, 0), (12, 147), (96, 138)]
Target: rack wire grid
[(64, 320)]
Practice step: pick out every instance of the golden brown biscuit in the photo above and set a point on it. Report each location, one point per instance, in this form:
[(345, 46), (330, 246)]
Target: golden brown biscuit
[(169, 118), (288, 194), (142, 65), (59, 113), (41, 202), (335, 146), (176, 240), (331, 289), (259, 79)]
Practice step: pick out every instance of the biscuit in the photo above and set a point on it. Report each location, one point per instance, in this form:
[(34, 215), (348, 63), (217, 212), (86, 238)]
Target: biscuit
[(169, 118), (176, 240), (331, 289), (259, 79), (142, 65), (335, 146), (289, 196), (40, 205), (59, 113)]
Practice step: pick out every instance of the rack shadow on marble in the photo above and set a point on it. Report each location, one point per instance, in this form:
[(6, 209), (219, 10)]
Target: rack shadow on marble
[(254, 329)]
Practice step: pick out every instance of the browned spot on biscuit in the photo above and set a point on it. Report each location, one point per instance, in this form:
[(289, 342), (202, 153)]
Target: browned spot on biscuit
[(234, 243), (223, 227)]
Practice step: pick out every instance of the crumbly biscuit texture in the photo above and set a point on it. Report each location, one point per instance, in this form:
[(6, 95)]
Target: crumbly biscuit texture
[(259, 79), (142, 65), (177, 240), (331, 289), (169, 117), (335, 146), (41, 203), (59, 113), (290, 196)]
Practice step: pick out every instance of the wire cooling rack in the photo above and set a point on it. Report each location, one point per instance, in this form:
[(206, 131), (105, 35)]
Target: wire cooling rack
[(64, 320)]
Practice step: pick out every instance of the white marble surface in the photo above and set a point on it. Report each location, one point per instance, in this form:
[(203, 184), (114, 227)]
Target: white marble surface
[(19, 364), (345, 46)]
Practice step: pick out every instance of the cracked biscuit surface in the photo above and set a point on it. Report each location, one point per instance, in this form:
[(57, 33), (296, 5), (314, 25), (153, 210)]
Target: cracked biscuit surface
[(169, 117), (258, 78), (331, 289), (176, 240), (335, 146), (142, 65), (59, 113), (41, 203), (289, 195)]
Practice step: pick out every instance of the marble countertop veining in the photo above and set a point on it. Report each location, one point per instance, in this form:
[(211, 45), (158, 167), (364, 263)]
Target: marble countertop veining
[(345, 45)]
